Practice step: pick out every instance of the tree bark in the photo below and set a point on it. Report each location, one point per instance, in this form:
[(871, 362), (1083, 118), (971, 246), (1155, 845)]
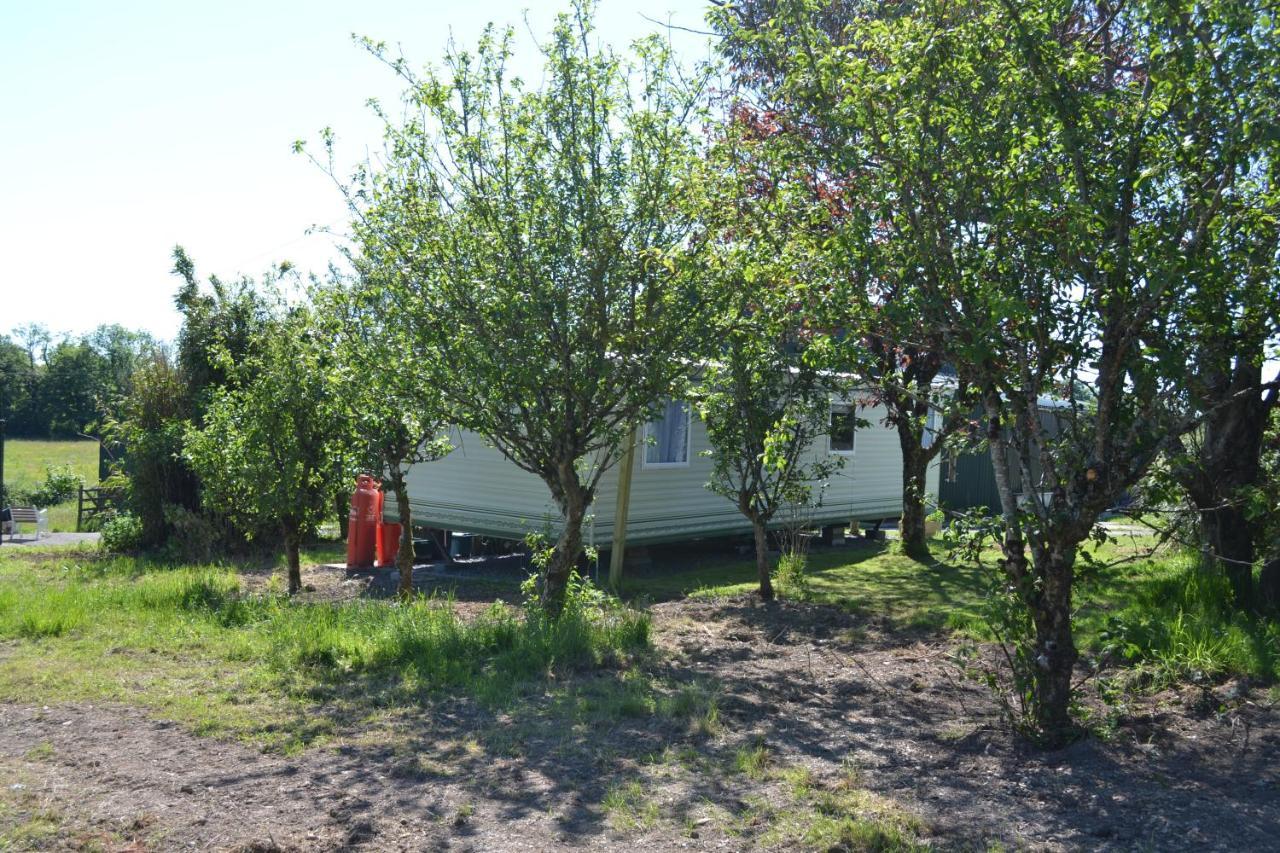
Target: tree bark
[(1055, 648), (762, 558), (404, 556), (342, 505), (1269, 586), (1228, 461), (915, 467), (568, 548), (1228, 537), (292, 547)]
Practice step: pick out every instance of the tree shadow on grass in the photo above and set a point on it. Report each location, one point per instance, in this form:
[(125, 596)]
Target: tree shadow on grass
[(786, 680)]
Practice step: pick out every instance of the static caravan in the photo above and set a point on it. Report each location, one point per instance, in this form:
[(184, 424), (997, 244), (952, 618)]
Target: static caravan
[(476, 489)]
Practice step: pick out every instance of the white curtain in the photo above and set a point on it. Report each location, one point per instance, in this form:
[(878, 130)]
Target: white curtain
[(669, 435)]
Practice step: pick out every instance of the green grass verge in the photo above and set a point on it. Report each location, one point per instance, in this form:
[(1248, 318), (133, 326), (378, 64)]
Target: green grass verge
[(187, 642), (25, 461)]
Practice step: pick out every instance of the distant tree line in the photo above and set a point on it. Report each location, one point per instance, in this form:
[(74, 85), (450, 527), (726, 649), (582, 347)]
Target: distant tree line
[(63, 386)]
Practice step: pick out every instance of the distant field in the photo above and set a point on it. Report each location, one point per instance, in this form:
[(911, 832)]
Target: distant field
[(24, 467)]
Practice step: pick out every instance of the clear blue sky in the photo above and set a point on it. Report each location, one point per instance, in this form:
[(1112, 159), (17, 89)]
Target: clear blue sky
[(127, 127)]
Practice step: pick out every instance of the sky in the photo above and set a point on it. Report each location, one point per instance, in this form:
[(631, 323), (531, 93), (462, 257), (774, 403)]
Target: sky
[(129, 127)]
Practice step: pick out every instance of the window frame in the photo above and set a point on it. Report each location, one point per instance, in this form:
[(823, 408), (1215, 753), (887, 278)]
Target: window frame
[(851, 411), (688, 442)]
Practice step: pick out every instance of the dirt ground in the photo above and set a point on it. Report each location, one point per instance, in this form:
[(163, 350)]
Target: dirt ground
[(810, 687)]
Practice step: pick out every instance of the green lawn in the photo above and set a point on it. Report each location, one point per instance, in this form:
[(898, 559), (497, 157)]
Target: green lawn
[(1160, 611), (192, 643), (25, 461), (868, 579)]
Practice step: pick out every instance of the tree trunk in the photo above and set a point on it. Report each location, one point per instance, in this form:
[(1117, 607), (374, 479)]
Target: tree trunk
[(915, 468), (1055, 650), (1228, 535), (1229, 460), (762, 558), (342, 505), (404, 556), (292, 546), (1269, 586), (567, 550), (1053, 655)]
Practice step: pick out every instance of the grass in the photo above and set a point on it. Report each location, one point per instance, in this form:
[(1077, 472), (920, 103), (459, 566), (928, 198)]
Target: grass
[(25, 461), (867, 579), (189, 642), (752, 761), (813, 813), (1161, 611), (629, 809), (1171, 616)]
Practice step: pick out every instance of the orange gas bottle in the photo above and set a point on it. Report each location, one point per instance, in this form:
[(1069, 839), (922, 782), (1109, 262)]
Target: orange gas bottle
[(362, 523), (388, 543)]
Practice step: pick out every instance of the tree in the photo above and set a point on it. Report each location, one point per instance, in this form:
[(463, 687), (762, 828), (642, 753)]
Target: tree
[(224, 319), (1263, 509), (1148, 124), (265, 454), (122, 351), (16, 379), (150, 424), (386, 386), (763, 400), (868, 156), (72, 389), (538, 232), (1230, 273), (34, 338), (1084, 198)]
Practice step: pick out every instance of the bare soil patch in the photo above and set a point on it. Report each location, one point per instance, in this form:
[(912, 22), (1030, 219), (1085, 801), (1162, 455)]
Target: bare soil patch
[(811, 692)]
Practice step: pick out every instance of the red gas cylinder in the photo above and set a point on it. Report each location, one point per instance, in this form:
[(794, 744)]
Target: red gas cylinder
[(388, 543), (362, 523)]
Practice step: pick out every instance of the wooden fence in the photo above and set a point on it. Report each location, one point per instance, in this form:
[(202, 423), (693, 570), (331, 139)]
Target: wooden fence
[(96, 505)]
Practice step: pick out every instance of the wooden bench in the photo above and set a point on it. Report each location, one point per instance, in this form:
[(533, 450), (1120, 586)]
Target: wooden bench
[(26, 515)]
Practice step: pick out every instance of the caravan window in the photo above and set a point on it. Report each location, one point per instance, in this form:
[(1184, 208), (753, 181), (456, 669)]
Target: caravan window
[(667, 436), (843, 424)]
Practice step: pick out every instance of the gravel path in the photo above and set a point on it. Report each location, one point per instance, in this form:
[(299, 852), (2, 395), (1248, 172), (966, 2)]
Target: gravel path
[(27, 539)]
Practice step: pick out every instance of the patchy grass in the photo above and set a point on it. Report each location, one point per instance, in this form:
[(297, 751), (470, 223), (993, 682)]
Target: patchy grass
[(1158, 610), (190, 643), (629, 809), (807, 812), (753, 761), (25, 461), (32, 819), (698, 704), (838, 813)]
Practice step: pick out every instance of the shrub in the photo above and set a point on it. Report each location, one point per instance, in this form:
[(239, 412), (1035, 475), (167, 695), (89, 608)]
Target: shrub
[(9, 496), (121, 534), (61, 484), (193, 537)]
